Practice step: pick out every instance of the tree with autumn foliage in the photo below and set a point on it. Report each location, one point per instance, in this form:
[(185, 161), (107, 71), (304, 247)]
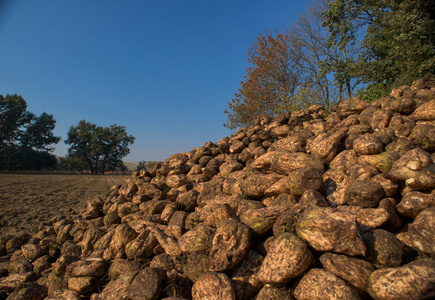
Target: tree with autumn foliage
[(336, 49), (291, 71), (271, 81)]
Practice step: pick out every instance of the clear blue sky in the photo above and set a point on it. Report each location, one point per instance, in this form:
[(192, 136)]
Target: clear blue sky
[(163, 69)]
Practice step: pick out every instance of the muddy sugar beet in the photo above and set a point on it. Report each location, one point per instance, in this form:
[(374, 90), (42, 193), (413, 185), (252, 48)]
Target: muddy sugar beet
[(313, 204)]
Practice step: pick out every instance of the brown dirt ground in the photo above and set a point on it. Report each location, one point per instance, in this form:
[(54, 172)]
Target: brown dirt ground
[(27, 200)]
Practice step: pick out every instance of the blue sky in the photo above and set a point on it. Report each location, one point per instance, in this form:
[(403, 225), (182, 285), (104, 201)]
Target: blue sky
[(163, 69)]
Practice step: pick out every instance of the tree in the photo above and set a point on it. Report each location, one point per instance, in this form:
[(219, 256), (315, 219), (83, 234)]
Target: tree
[(271, 81), (25, 139), (333, 49), (13, 116), (315, 57), (99, 147), (72, 163), (141, 166), (398, 44), (293, 70), (39, 133)]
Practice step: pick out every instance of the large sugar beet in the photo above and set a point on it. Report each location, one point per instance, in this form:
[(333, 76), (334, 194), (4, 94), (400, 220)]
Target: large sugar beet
[(416, 168), (328, 229), (364, 193), (325, 146), (297, 182), (229, 246), (244, 276), (287, 258), (122, 236), (89, 267), (117, 288), (147, 284), (421, 232), (423, 135), (425, 112), (30, 290), (142, 246), (335, 183), (351, 106), (197, 264), (288, 162), (382, 161), (260, 220), (292, 143), (213, 286), (353, 270), (256, 185), (168, 243), (321, 284), (414, 203), (415, 280), (265, 161), (198, 239), (344, 160), (383, 248), (368, 144)]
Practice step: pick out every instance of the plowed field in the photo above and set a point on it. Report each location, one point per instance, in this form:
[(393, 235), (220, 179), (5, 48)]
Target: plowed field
[(26, 200)]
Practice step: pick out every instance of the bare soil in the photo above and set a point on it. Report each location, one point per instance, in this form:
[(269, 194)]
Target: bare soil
[(27, 200)]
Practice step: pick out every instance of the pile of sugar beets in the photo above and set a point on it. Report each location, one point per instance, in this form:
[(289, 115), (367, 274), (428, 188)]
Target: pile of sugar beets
[(313, 204)]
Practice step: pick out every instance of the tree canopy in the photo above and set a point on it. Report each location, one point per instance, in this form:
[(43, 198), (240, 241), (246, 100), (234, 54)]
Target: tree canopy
[(289, 71), (101, 148), (270, 82), (25, 139), (336, 49), (396, 38)]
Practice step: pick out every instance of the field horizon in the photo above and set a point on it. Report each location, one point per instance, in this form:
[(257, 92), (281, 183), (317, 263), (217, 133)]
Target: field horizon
[(27, 200)]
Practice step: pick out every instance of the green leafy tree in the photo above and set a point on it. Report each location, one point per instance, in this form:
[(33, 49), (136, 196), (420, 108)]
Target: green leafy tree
[(400, 44), (115, 145), (141, 166), (82, 140), (343, 46), (25, 139), (396, 37), (39, 133), (99, 147), (13, 117), (72, 163)]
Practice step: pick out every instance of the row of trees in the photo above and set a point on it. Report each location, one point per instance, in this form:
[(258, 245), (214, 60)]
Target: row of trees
[(335, 50), (26, 141)]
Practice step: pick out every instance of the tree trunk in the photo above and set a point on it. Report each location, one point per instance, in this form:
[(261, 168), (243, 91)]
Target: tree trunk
[(340, 92), (96, 166), (349, 90)]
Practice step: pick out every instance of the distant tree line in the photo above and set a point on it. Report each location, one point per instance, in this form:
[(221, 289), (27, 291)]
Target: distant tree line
[(336, 49), (26, 142)]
